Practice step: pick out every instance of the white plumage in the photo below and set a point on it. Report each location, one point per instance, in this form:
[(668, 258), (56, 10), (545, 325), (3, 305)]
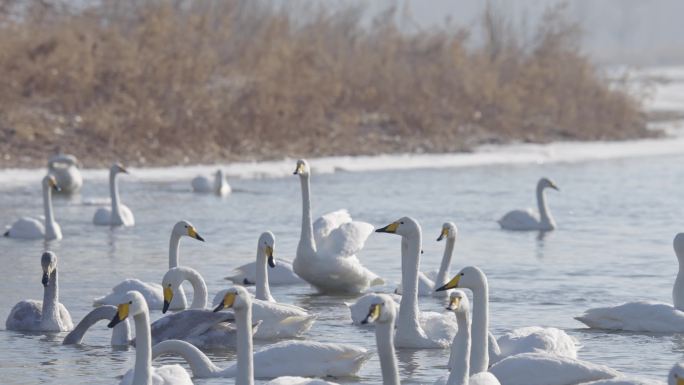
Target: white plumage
[(282, 274), (548, 369), (529, 220)]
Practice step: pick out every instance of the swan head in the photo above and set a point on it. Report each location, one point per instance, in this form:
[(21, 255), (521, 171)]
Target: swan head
[(678, 245), (546, 182), (133, 304), (676, 376), (405, 226), (49, 182), (267, 244), (302, 168), (458, 302), (186, 229), (236, 298), (117, 168), (470, 277), (449, 230), (382, 310), (170, 284), (49, 263)]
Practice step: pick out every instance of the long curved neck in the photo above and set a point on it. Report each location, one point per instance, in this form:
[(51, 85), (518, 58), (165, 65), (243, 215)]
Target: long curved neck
[(47, 206), (121, 333), (306, 240), (114, 194), (199, 363), (174, 250), (544, 213), (199, 288), (479, 357), (219, 182), (678, 290), (446, 262), (245, 364), (460, 352), (142, 373), (50, 319), (410, 263), (384, 338), (263, 290)]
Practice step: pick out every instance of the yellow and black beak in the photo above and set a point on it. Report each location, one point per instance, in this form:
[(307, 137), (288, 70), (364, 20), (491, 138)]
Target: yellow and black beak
[(227, 303), (553, 186), (373, 314), (123, 169), (391, 228), (269, 254), (680, 380), (53, 183), (299, 169), (443, 234), (454, 303), (46, 279), (451, 284), (192, 233), (168, 296), (121, 314)]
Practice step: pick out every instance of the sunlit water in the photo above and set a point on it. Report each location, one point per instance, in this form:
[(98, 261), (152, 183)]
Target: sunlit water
[(617, 219)]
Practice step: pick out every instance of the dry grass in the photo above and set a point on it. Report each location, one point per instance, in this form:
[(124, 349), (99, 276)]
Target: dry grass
[(162, 82)]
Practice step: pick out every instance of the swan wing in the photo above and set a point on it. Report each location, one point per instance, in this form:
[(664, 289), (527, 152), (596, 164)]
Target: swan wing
[(27, 228), (186, 324), (641, 316), (345, 241), (151, 291), (163, 375), (624, 381), (280, 320), (127, 215), (25, 315), (103, 216), (439, 327), (548, 369), (520, 220), (324, 225), (202, 184), (483, 378), (537, 339), (292, 380)]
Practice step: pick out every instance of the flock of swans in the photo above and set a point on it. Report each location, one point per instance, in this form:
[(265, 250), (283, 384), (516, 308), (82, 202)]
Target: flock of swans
[(326, 260)]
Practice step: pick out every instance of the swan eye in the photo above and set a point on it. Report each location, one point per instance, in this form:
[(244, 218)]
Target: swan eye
[(130, 302), (186, 226), (462, 274), (401, 223)]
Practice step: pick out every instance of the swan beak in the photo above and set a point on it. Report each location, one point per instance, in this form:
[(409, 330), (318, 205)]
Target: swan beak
[(192, 233), (454, 303), (121, 314), (680, 381), (391, 228), (168, 296), (123, 170), (451, 284), (299, 169), (228, 301), (373, 314), (53, 183), (553, 186), (269, 254), (46, 279), (444, 234)]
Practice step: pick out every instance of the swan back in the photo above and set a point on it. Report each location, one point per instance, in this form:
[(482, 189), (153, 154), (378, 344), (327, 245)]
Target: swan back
[(678, 290)]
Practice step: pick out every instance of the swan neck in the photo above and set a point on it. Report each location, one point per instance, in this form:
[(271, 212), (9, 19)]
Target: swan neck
[(460, 352), (678, 290), (199, 363), (121, 334), (174, 250), (544, 213), (479, 356), (199, 289), (142, 373), (50, 319), (245, 364), (47, 206), (384, 338), (410, 263), (263, 290), (114, 193), (444, 273), (306, 240)]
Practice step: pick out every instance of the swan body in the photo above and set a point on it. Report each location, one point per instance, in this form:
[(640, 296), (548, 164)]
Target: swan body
[(326, 253), (645, 316), (39, 228), (144, 373), (64, 167), (528, 220), (535, 339), (240, 300), (153, 291), (624, 381), (416, 329), (121, 333), (42, 316), (203, 184), (118, 214), (282, 274), (289, 380), (548, 369), (427, 283)]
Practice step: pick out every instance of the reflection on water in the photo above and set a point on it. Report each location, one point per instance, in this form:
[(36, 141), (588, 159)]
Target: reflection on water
[(610, 247)]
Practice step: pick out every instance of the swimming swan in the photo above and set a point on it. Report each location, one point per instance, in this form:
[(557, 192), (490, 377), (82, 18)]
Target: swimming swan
[(427, 283), (460, 348), (528, 220), (203, 184), (240, 301), (645, 316), (42, 316), (416, 329), (33, 228), (143, 373), (119, 214), (153, 291), (121, 333), (65, 169), (326, 253), (264, 256)]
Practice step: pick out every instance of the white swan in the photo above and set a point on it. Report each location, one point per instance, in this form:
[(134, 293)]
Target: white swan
[(382, 312), (645, 316), (240, 301), (42, 316), (527, 220), (33, 228), (264, 256), (153, 291), (416, 329), (460, 348), (675, 377), (359, 309), (143, 373), (326, 253), (427, 283), (121, 333), (282, 274), (65, 169), (203, 184), (119, 214)]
